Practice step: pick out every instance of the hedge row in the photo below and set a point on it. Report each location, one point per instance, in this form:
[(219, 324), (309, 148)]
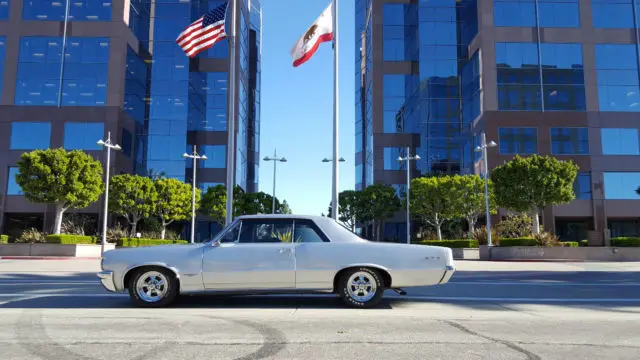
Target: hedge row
[(525, 241), (4, 239), (135, 242), (71, 239), (625, 242), (451, 243)]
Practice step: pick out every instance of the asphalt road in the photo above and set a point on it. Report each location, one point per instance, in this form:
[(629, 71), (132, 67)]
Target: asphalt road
[(537, 312)]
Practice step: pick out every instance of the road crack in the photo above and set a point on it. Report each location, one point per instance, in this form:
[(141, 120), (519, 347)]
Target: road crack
[(512, 346)]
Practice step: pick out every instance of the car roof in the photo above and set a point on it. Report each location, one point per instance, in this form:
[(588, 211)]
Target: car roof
[(283, 216)]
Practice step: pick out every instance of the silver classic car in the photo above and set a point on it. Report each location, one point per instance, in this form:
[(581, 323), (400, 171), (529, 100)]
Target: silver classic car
[(276, 254)]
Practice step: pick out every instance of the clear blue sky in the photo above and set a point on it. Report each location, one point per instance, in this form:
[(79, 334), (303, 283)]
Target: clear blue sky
[(297, 105)]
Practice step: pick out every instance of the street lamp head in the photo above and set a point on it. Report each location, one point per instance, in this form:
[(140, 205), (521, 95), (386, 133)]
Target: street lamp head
[(117, 147), (492, 144), (185, 155), (325, 160), (342, 159), (400, 158), (266, 158), (204, 157), (100, 142), (478, 149), (283, 160), (418, 157)]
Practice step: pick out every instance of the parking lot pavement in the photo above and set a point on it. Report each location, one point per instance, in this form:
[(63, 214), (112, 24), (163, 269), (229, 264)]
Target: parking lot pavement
[(487, 311)]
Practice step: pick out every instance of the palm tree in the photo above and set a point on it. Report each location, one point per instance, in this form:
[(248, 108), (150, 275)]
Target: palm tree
[(156, 175)]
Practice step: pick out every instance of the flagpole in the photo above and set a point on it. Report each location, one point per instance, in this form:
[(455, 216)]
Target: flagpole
[(231, 123), (334, 200)]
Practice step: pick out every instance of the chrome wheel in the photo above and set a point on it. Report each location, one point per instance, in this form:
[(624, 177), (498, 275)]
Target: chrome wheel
[(361, 286), (152, 286)]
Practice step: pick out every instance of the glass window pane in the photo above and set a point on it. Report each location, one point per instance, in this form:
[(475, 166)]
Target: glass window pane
[(621, 185), (617, 73), (266, 231), (83, 136), (216, 157), (582, 186), (30, 135), (559, 13), (514, 13), (612, 14), (79, 10), (518, 141), (569, 141), (620, 142), (307, 232), (12, 186)]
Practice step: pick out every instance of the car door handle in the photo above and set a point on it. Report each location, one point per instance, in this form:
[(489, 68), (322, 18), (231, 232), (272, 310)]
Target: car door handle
[(282, 251)]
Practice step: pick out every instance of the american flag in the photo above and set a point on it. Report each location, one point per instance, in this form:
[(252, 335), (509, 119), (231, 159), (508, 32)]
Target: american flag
[(204, 32)]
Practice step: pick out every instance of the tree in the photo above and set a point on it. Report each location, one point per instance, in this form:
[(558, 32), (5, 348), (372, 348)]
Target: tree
[(214, 203), (469, 196), (349, 209), (433, 200), (174, 201), (67, 180), (156, 174), (533, 183), (133, 197), (378, 203), (284, 208)]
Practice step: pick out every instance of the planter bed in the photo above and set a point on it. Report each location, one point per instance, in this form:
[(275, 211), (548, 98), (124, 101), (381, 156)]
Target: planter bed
[(497, 253), (58, 250)]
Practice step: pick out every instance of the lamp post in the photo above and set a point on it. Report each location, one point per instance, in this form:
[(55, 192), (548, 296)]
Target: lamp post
[(275, 161), (408, 159), (327, 160), (195, 156), (107, 145), (483, 149)]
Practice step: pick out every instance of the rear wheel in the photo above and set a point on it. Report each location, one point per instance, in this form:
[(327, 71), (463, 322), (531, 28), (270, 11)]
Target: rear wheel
[(361, 288), (153, 287)]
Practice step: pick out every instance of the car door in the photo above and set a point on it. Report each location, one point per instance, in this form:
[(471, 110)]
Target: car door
[(316, 256), (254, 254)]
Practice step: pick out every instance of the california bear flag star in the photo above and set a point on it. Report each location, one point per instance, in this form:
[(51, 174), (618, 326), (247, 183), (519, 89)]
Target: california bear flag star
[(320, 31)]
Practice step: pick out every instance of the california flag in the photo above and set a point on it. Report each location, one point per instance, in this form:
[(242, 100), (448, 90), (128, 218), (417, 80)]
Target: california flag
[(320, 31)]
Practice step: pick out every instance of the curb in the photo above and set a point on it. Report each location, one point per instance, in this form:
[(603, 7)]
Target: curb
[(47, 258), (542, 260)]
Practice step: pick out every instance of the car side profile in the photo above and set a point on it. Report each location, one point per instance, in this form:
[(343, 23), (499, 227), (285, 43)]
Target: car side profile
[(276, 254)]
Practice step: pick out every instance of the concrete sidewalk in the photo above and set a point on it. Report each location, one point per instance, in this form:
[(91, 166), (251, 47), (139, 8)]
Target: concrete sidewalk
[(84, 266)]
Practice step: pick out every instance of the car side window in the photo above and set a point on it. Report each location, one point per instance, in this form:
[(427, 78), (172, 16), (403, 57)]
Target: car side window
[(260, 231), (306, 231), (231, 235)]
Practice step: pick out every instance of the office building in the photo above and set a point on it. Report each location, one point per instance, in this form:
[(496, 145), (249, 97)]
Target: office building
[(537, 76), (123, 73)]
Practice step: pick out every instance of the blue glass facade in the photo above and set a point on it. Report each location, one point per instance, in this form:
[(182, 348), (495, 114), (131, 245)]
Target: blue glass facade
[(79, 10), (551, 13), (12, 186), (612, 14), (549, 77), (30, 135), (620, 142), (85, 71), (569, 141), (83, 135), (518, 141), (617, 73)]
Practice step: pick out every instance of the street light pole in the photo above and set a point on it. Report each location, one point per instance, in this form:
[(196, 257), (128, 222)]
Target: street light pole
[(195, 156), (275, 161), (326, 160), (108, 145), (408, 159), (483, 148)]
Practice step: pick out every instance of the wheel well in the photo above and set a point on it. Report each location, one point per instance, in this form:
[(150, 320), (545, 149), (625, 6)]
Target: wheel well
[(130, 272), (386, 277)]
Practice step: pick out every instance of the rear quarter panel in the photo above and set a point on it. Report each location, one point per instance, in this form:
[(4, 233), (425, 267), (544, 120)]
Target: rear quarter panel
[(409, 265)]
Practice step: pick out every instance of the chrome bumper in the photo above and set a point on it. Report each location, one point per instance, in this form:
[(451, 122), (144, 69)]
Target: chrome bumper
[(448, 273), (106, 278)]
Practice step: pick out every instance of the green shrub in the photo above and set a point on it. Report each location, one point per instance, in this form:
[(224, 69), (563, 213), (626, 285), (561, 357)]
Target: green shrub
[(547, 239), (4, 239), (116, 233), (67, 239), (524, 241), (625, 242), (31, 236), (480, 235), (573, 244), (135, 242), (515, 226), (451, 243), (584, 242)]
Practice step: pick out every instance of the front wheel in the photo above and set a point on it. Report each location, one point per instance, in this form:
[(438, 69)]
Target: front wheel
[(361, 288), (153, 287)]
